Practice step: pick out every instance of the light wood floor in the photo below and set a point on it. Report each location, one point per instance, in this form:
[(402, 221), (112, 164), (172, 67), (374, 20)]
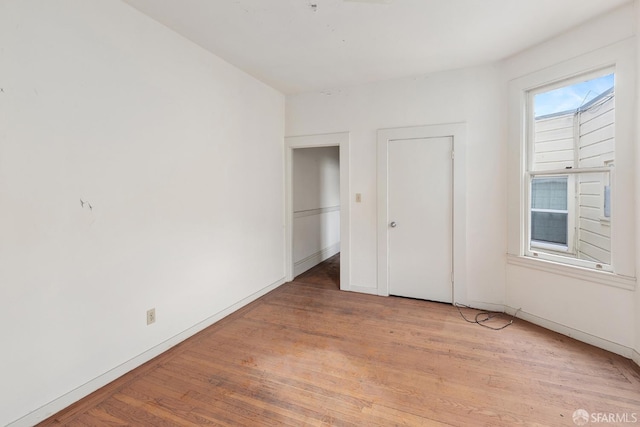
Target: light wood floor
[(309, 354)]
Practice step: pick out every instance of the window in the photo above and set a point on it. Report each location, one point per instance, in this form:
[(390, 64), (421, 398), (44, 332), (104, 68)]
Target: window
[(570, 154), (601, 243), (549, 213)]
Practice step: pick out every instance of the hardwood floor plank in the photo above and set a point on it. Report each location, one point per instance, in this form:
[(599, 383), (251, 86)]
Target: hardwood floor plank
[(223, 384), (97, 416), (132, 413), (310, 354), (281, 392), (213, 406)]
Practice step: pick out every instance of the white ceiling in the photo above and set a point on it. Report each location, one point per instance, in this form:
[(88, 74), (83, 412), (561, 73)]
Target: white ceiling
[(295, 46)]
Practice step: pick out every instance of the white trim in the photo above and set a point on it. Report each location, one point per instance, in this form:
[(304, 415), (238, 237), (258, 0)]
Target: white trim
[(573, 333), (548, 246), (559, 328), (457, 131), (566, 211), (568, 260), (620, 55), (315, 259), (312, 212), (572, 171), (84, 390), (582, 273), (341, 140), (364, 289), (488, 306)]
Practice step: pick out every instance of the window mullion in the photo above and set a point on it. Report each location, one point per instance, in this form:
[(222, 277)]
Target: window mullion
[(573, 171)]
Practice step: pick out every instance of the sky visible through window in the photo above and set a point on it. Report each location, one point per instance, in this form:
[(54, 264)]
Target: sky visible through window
[(571, 97)]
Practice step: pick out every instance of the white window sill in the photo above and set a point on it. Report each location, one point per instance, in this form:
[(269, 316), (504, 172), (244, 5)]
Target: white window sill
[(536, 244), (595, 276)]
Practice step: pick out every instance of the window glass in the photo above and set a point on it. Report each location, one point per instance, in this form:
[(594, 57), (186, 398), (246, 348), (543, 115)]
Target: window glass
[(549, 193), (549, 214)]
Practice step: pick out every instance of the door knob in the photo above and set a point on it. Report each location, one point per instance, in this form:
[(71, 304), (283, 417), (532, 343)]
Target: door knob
[(393, 224)]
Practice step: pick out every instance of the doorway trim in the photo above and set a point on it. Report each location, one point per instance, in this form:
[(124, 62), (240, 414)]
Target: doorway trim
[(341, 140), (457, 131)]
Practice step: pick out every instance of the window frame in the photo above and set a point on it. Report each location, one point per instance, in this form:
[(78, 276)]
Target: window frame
[(570, 211), (621, 57), (604, 218), (530, 250), (549, 251)]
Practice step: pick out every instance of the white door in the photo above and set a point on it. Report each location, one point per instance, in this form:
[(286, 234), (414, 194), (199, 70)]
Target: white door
[(420, 213)]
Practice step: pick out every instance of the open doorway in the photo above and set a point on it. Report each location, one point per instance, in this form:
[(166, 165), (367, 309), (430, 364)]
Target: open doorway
[(316, 213), (325, 275), (317, 205)]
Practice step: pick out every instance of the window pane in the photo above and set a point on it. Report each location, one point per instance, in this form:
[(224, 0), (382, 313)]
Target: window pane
[(572, 98), (549, 227), (563, 125), (549, 193)]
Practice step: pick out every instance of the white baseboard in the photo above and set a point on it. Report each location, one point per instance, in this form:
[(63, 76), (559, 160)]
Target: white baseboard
[(561, 329), (311, 261), (488, 306), (574, 333), (363, 290), (84, 390)]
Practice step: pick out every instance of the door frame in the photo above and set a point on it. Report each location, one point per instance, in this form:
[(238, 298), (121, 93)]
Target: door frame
[(341, 140), (457, 131)]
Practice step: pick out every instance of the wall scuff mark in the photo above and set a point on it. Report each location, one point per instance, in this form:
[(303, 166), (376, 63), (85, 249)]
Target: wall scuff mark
[(83, 202)]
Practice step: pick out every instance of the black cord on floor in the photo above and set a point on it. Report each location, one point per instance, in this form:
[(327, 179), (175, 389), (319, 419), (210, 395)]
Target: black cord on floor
[(484, 316)]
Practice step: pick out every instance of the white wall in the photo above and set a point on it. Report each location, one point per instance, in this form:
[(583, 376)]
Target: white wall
[(474, 96), (581, 305), (180, 156), (316, 206)]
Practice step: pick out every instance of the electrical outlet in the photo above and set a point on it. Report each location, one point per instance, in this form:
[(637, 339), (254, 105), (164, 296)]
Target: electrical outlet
[(151, 316)]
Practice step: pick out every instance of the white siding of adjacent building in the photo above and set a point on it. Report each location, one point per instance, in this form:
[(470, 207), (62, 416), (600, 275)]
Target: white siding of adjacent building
[(596, 149), (554, 143), (592, 133)]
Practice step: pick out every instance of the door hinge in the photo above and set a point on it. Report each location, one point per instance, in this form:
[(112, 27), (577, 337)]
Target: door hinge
[(452, 277), (453, 155)]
